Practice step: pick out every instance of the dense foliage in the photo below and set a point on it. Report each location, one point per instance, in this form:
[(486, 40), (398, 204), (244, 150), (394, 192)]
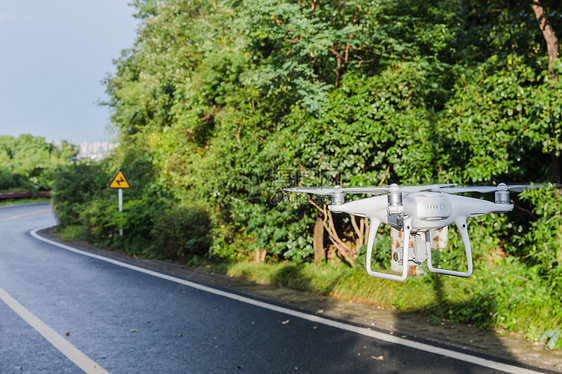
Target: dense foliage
[(219, 105), (27, 163)]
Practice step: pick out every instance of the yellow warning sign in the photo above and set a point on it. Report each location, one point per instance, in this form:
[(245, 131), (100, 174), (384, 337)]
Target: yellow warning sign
[(119, 181)]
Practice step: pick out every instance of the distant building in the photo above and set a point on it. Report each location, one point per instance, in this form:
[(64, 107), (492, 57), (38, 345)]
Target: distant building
[(95, 151)]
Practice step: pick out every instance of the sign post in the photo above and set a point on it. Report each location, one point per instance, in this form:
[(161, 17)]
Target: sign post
[(119, 182)]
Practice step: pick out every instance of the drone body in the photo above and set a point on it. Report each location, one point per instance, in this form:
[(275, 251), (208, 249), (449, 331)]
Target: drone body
[(416, 211)]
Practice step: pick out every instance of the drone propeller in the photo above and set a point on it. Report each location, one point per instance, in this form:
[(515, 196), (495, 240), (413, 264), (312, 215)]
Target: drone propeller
[(368, 190), (502, 190), (500, 187), (394, 187), (336, 193), (395, 191), (314, 190)]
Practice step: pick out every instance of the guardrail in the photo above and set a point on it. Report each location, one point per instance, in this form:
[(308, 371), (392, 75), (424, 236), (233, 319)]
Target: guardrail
[(21, 195)]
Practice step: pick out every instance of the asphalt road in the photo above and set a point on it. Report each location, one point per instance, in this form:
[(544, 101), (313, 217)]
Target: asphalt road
[(127, 321)]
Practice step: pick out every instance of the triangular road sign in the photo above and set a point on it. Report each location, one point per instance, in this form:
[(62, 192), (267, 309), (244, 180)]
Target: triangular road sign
[(119, 181)]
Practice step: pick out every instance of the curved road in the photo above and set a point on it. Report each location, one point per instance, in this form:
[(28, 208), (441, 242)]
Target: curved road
[(110, 318)]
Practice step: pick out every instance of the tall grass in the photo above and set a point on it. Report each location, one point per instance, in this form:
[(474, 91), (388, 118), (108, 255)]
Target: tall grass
[(496, 296)]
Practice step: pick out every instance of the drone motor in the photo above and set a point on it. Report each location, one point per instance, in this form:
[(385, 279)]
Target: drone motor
[(338, 197), (395, 206), (502, 194)]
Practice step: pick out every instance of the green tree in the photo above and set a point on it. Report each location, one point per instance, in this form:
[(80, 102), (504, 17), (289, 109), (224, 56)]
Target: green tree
[(30, 160), (222, 97)]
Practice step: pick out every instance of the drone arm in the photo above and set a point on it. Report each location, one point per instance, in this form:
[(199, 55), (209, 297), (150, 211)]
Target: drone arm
[(375, 223), (461, 224)]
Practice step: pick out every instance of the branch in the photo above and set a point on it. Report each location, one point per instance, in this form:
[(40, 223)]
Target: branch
[(524, 210), (336, 53), (385, 175), (342, 251), (548, 34), (358, 231), (342, 248), (338, 64), (323, 210), (332, 229), (279, 22), (290, 40), (339, 13), (367, 228), (351, 35)]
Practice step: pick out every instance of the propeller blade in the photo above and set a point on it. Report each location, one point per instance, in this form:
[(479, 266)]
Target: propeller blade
[(481, 189), (314, 190), (367, 190), (447, 188), (487, 189), (385, 189), (526, 187), (427, 187)]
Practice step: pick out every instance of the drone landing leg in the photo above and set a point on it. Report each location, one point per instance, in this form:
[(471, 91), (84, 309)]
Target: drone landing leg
[(375, 223), (461, 224)]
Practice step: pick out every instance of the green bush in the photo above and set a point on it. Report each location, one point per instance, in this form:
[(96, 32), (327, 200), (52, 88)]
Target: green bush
[(137, 220), (98, 216), (74, 187), (9, 181), (73, 233), (27, 162), (541, 246), (181, 233)]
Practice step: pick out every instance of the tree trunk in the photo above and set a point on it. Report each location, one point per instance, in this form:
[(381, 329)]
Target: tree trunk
[(552, 48), (259, 256), (548, 34), (318, 241)]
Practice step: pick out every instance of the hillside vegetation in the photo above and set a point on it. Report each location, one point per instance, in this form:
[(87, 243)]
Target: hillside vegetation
[(221, 104), (28, 163)]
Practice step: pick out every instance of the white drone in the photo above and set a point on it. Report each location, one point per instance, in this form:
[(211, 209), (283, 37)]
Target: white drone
[(416, 210)]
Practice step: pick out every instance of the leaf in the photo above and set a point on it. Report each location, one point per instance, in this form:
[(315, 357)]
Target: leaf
[(552, 335)]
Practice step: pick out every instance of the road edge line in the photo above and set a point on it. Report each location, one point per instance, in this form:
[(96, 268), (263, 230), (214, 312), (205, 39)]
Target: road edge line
[(64, 346), (24, 215), (310, 317)]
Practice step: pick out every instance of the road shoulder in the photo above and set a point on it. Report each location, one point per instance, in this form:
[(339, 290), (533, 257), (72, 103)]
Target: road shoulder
[(505, 348)]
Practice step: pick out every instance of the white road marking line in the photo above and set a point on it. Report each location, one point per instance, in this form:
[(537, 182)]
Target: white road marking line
[(25, 215), (64, 346), (309, 317)]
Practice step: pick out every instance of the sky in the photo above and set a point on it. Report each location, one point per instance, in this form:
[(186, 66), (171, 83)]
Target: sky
[(53, 58)]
